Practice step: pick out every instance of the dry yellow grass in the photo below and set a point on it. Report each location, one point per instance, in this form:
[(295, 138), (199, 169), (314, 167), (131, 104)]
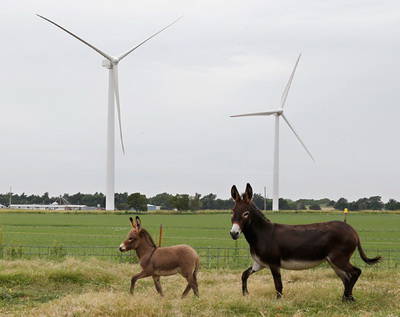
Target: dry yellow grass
[(97, 288)]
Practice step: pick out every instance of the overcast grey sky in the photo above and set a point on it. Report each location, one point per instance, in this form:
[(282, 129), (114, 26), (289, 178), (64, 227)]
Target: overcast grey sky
[(178, 90)]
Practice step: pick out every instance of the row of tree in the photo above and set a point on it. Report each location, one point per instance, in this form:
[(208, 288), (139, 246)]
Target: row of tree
[(138, 201), (371, 203)]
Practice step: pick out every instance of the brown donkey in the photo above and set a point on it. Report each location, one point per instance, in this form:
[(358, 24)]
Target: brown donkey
[(295, 247), (156, 261)]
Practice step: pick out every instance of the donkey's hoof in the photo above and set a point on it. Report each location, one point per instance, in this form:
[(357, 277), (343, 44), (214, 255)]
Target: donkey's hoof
[(245, 293), (278, 295), (348, 299)]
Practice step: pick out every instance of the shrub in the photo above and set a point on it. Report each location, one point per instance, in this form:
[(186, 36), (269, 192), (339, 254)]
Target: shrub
[(315, 207)]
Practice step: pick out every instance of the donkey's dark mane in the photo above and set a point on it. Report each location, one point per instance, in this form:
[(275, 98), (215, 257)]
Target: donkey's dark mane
[(145, 234), (257, 213)]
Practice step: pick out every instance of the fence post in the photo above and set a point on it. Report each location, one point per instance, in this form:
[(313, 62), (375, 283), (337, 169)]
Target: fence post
[(1, 243), (160, 236), (208, 257), (236, 251)]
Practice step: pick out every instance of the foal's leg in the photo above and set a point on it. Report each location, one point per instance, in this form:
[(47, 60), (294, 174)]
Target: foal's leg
[(192, 284), (157, 284), (186, 291), (195, 285), (245, 275), (137, 277), (276, 274)]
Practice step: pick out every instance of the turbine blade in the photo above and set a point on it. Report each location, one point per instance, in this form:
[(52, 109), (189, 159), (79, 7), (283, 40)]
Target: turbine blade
[(149, 38), (116, 92), (266, 113), (298, 138), (289, 83), (77, 37)]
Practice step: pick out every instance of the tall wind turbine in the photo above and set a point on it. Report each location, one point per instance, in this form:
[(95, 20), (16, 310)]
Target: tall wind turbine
[(279, 113), (111, 63)]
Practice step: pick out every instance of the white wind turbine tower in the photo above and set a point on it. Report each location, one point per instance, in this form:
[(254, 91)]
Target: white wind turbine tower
[(279, 113), (111, 63)]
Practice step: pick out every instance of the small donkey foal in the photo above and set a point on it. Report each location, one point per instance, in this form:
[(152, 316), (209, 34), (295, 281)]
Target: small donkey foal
[(161, 261)]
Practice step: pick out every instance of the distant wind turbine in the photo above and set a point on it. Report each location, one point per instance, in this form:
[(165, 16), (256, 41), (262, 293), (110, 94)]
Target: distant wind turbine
[(111, 63), (278, 113)]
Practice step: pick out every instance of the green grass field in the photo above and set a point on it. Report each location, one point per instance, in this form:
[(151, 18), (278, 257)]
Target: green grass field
[(377, 231)]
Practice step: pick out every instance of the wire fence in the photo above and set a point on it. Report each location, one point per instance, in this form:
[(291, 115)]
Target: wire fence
[(210, 257)]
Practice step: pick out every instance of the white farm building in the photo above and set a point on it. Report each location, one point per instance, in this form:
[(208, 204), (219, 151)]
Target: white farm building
[(53, 206), (153, 207)]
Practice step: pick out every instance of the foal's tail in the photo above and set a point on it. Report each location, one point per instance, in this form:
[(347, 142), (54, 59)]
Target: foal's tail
[(196, 267), (366, 259)]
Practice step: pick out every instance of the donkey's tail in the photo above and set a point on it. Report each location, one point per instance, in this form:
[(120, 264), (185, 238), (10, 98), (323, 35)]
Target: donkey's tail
[(196, 267), (366, 259)]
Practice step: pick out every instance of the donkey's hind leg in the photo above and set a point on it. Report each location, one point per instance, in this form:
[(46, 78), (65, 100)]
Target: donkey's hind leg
[(192, 284), (348, 273), (195, 285), (157, 284), (354, 277), (186, 291)]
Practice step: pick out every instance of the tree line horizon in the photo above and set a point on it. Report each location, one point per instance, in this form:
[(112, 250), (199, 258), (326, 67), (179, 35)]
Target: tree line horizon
[(138, 201)]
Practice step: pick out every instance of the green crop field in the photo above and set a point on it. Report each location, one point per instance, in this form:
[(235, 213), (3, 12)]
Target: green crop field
[(377, 231)]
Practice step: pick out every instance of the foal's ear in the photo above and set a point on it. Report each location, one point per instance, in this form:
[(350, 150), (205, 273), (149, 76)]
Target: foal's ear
[(138, 223), (235, 193), (248, 194), (132, 223)]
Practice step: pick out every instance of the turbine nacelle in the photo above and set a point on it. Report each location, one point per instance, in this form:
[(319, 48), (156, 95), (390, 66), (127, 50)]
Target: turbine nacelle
[(110, 63), (107, 64)]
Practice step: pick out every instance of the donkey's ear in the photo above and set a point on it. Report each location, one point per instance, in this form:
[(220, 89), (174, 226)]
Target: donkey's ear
[(235, 193), (138, 223), (132, 223), (248, 194)]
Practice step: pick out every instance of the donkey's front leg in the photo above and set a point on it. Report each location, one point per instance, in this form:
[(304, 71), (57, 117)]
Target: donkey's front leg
[(245, 276), (157, 284), (276, 274), (137, 277)]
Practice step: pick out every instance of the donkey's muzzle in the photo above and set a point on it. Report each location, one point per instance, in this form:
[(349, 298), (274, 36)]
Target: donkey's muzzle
[(122, 247), (235, 231)]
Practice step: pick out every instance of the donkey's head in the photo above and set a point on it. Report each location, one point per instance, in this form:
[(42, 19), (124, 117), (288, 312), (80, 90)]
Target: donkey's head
[(241, 210), (133, 239)]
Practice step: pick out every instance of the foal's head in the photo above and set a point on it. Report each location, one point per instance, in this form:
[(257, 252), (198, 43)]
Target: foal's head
[(134, 236), (241, 210)]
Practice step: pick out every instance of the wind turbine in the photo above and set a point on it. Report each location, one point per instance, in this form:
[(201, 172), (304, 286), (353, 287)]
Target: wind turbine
[(111, 63), (279, 113)]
